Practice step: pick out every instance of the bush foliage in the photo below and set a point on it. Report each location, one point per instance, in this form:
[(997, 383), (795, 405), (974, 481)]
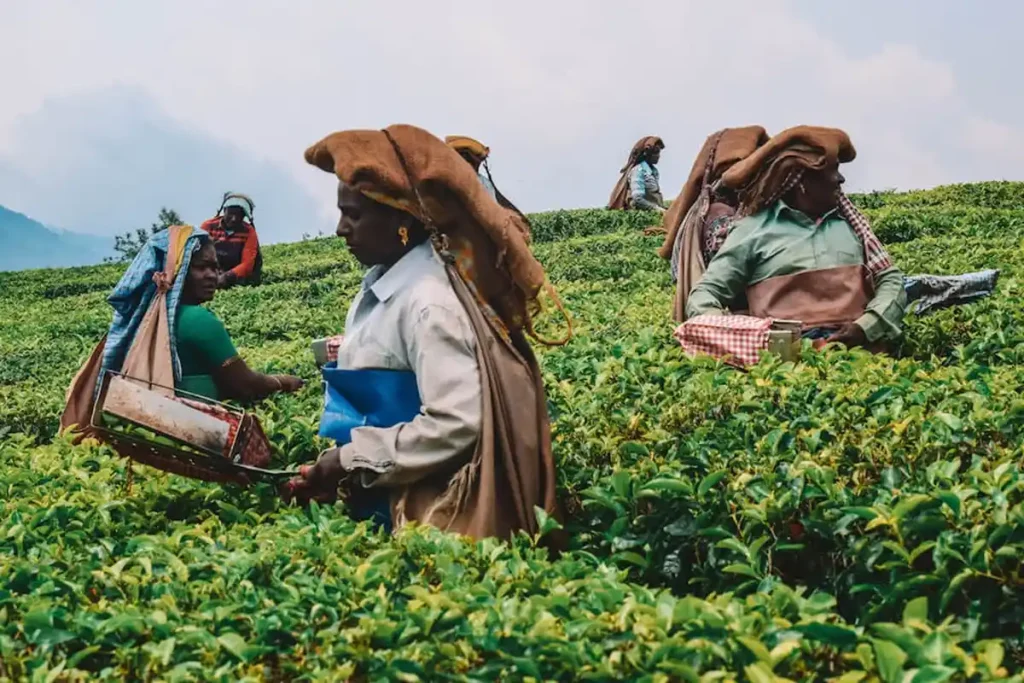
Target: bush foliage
[(847, 517)]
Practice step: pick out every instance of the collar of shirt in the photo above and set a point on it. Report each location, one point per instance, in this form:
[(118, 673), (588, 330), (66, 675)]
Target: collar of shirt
[(650, 168), (231, 231), (385, 282), (797, 216)]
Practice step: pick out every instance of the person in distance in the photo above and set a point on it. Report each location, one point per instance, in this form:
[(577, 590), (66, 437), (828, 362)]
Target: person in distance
[(238, 247), (639, 185)]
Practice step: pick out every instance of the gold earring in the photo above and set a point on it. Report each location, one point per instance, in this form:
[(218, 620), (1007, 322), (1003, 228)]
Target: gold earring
[(403, 234)]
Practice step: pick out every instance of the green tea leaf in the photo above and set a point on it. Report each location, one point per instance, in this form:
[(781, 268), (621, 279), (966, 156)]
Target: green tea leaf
[(233, 643), (916, 610), (890, 659), (710, 481)]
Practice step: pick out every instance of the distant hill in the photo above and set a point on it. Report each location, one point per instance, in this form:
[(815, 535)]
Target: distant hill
[(25, 243), (113, 157)]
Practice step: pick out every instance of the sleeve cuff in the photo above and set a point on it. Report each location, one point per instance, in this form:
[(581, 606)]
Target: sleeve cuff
[(872, 325), (369, 470)]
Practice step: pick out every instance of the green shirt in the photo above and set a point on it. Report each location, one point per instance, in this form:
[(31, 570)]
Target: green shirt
[(783, 241), (203, 347)]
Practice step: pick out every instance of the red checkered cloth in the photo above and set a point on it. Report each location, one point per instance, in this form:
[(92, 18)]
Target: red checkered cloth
[(333, 344), (876, 258), (736, 338)]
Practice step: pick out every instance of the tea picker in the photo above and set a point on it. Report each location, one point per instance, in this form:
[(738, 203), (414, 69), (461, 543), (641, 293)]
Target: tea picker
[(129, 393)]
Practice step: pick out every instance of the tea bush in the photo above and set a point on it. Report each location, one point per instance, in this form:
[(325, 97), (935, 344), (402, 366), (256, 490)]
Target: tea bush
[(848, 517)]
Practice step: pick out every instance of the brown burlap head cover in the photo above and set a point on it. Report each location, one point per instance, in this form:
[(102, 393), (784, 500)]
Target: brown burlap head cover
[(730, 146), (465, 144), (619, 198), (762, 178), (493, 241)]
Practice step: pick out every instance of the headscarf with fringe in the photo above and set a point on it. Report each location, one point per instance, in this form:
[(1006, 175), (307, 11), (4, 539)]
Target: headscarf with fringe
[(722, 150)]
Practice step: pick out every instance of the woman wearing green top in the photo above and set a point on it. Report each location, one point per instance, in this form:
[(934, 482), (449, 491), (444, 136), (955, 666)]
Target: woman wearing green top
[(210, 364)]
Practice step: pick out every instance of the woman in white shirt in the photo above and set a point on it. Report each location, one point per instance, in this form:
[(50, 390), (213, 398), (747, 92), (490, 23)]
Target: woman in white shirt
[(447, 296)]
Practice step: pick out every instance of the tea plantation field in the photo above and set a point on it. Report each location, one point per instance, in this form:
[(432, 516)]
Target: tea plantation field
[(847, 517)]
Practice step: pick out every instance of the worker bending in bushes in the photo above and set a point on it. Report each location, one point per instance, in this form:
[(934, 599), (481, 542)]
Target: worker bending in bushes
[(800, 250), (698, 220), (234, 236)]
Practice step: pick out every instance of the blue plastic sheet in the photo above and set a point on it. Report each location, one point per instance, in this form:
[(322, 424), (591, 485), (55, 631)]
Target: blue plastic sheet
[(367, 398)]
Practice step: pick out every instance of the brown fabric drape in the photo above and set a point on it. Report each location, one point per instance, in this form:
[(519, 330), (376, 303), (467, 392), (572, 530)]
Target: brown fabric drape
[(80, 397), (619, 198), (497, 279), (760, 177), (727, 146), (512, 469), (691, 262), (826, 297), (688, 212)]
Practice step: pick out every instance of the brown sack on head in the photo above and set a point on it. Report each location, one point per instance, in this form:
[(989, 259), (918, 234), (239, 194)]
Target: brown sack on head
[(733, 145), (497, 279), (760, 178), (619, 198), (506, 274)]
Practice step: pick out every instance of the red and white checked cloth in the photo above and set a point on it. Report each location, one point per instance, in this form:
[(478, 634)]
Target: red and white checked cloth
[(333, 344), (876, 258), (736, 338)]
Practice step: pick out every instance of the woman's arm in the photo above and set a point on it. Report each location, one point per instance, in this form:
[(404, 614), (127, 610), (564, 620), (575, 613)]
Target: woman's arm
[(236, 380), (441, 349), (206, 336)]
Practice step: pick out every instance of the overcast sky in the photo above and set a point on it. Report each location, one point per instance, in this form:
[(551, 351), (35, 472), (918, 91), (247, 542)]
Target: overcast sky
[(110, 109)]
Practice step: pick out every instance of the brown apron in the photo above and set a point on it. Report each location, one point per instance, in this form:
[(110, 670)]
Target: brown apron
[(512, 469), (827, 297)]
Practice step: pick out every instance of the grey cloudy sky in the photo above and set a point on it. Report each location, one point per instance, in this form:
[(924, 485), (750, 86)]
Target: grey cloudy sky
[(109, 109)]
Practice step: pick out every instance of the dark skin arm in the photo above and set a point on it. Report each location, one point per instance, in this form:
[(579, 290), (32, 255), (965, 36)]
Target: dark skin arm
[(236, 380), (851, 335), (319, 481)]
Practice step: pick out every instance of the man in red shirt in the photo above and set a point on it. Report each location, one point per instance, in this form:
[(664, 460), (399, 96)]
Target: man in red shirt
[(234, 236)]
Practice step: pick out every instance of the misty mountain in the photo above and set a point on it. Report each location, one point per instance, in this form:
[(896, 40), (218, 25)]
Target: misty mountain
[(30, 244), (105, 161)]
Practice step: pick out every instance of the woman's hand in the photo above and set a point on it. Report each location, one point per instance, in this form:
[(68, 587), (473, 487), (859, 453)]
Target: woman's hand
[(851, 335), (289, 383), (318, 481)]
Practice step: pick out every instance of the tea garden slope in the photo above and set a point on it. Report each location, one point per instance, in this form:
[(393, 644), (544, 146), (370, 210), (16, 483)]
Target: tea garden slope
[(848, 516)]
